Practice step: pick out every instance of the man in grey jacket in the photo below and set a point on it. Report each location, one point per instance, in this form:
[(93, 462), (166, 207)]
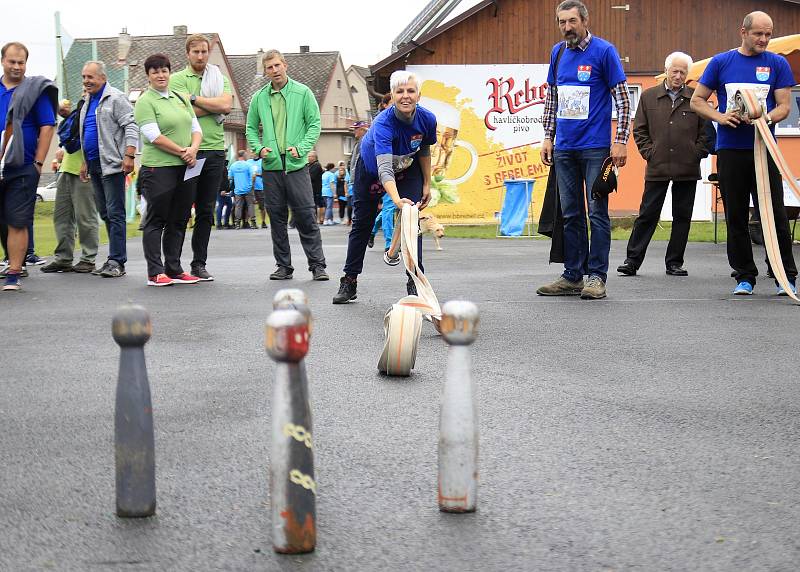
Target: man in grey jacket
[(109, 136)]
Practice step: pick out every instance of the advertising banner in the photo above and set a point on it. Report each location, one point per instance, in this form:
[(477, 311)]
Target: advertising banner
[(489, 131)]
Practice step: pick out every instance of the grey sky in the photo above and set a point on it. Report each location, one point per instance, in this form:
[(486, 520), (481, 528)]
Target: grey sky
[(362, 30)]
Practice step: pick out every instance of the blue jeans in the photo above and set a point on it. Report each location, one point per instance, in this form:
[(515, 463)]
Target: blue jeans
[(225, 203), (109, 194), (328, 208), (576, 171)]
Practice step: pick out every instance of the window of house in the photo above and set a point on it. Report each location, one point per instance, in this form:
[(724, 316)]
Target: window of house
[(791, 125), (348, 141), (335, 112), (634, 93), (353, 89), (339, 84)]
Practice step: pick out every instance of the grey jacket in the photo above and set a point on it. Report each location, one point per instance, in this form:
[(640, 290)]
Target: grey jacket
[(116, 128), (23, 100)]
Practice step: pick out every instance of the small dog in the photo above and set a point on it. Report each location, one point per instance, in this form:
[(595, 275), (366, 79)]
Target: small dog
[(429, 223)]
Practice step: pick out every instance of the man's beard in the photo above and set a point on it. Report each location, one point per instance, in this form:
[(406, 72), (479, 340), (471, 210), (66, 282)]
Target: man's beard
[(572, 41)]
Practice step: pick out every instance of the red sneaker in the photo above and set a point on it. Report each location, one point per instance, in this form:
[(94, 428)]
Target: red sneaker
[(159, 280), (184, 278)]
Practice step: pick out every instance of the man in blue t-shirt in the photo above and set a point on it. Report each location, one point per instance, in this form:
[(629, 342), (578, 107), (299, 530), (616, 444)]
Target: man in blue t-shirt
[(241, 177), (28, 114), (750, 67), (589, 76), (396, 159)]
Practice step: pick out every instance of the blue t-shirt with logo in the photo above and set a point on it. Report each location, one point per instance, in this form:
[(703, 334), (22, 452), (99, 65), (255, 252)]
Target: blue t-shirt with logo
[(732, 71), (90, 145), (585, 80), (389, 135), (255, 168), (41, 114), (242, 176)]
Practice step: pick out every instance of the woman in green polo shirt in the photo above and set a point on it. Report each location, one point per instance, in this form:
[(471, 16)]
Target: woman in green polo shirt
[(171, 139)]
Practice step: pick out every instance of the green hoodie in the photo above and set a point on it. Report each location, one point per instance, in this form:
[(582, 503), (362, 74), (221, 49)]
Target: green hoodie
[(302, 125)]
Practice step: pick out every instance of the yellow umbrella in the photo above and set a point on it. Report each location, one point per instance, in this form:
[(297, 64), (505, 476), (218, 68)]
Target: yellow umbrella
[(787, 46)]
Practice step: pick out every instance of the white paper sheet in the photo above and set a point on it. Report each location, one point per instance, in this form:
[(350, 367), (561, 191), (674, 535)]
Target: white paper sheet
[(192, 172)]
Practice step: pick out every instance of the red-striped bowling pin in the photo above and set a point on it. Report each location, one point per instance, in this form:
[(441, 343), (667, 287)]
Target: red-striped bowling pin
[(292, 486)]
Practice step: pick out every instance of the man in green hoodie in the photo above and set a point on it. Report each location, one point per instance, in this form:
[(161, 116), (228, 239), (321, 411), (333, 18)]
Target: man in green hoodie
[(289, 117)]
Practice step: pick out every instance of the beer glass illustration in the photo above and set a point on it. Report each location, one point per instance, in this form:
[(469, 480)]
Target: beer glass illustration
[(448, 122)]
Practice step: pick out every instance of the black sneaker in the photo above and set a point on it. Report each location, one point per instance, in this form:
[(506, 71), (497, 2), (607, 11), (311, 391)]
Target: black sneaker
[(347, 290), (33, 260), (56, 266), (264, 225), (282, 273), (113, 269), (319, 274), (626, 269), (202, 274), (411, 288), (98, 271), (371, 241)]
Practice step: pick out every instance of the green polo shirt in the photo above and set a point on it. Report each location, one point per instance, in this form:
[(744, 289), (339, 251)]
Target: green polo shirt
[(277, 102), (174, 120), (187, 81), (71, 163)]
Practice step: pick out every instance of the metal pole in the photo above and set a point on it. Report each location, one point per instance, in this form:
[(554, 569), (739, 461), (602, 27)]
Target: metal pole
[(292, 486), (458, 422), (134, 443)]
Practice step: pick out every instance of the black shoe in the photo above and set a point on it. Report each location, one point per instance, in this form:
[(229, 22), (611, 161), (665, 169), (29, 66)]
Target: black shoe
[(229, 227), (319, 274), (627, 269), (219, 227), (112, 269), (347, 290), (264, 225), (411, 288), (371, 241), (676, 270), (56, 266), (202, 274), (281, 273)]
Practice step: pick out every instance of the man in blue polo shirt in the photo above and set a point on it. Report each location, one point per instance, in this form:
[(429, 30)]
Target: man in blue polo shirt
[(28, 111), (751, 67), (589, 75)]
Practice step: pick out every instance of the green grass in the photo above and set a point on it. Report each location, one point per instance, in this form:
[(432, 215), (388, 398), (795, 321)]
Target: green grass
[(46, 236), (620, 230)]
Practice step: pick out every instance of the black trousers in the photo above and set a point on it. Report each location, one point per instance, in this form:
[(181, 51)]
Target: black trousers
[(649, 213), (283, 191), (208, 183), (367, 193), (737, 176), (169, 206)]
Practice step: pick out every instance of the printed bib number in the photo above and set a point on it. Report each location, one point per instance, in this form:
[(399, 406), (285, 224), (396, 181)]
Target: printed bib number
[(573, 102)]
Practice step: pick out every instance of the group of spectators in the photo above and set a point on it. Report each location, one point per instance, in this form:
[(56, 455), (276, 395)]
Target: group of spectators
[(180, 115), (179, 120), (673, 132)]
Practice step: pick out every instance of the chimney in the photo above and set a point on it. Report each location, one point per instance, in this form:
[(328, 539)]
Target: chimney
[(260, 62), (123, 45), (305, 49), (180, 31)]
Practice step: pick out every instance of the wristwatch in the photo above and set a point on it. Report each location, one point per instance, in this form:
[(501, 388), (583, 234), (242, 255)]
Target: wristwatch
[(193, 99), (769, 119), (35, 162)]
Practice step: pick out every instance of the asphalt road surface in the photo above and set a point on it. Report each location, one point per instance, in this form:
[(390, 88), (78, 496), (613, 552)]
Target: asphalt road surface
[(654, 430)]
